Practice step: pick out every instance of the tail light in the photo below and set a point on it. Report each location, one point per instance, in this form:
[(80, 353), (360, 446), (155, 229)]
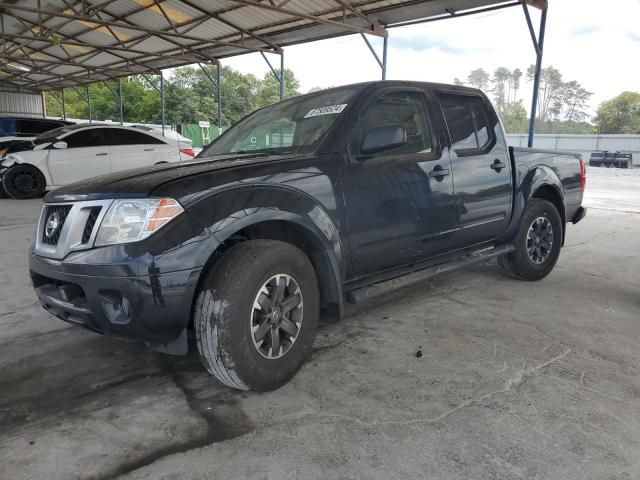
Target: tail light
[(583, 174), (188, 151)]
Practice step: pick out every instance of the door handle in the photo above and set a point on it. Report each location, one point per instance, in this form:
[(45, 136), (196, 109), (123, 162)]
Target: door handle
[(497, 165), (101, 154), (438, 172), (149, 149)]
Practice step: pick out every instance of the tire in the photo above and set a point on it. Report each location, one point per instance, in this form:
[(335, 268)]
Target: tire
[(226, 315), (3, 192), (23, 181), (535, 265)]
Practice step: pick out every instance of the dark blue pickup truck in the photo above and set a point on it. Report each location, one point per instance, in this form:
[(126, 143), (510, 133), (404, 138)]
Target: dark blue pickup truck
[(334, 196)]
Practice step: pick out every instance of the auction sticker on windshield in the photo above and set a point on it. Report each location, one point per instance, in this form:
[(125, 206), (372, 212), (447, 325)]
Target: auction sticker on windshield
[(328, 110)]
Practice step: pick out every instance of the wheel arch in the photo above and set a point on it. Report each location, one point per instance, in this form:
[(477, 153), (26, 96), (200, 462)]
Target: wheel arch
[(292, 218), (17, 164), (540, 182), (41, 164)]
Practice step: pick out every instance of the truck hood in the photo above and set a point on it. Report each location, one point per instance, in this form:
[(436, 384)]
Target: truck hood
[(140, 182)]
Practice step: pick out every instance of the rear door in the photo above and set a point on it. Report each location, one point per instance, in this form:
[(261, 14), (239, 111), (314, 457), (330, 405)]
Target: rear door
[(133, 149), (481, 167), (399, 201), (86, 156)]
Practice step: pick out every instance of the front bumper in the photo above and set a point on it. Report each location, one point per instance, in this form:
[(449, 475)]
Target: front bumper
[(152, 308)]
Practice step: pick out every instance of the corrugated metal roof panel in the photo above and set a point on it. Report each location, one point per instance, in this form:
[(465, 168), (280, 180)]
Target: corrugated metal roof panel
[(142, 25)]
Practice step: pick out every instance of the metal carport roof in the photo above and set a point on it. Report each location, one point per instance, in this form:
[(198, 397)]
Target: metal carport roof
[(55, 44), (50, 44)]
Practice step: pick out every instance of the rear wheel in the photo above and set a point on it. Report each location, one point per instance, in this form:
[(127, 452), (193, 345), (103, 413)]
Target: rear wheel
[(23, 181), (537, 242), (256, 315)]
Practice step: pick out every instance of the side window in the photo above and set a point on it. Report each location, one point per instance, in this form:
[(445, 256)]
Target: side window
[(35, 127), (469, 126), (398, 109), (93, 137), (121, 136)]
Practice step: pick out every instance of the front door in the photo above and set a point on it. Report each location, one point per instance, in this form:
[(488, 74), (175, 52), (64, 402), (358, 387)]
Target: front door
[(87, 155), (399, 199), (481, 168)]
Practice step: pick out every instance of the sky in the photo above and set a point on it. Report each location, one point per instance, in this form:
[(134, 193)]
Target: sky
[(594, 42)]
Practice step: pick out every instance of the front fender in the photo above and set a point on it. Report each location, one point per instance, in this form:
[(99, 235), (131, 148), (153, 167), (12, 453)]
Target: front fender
[(39, 162), (229, 211)]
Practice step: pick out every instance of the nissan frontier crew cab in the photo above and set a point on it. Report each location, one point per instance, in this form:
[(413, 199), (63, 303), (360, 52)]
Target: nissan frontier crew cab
[(334, 196)]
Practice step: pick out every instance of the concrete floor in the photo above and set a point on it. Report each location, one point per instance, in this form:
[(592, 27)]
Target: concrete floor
[(516, 380)]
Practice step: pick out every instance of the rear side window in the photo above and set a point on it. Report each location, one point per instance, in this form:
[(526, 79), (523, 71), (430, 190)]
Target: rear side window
[(34, 127), (468, 122), (121, 136), (93, 137), (7, 127)]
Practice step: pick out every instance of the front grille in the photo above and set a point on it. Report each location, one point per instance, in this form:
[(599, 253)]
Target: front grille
[(91, 223), (48, 227)]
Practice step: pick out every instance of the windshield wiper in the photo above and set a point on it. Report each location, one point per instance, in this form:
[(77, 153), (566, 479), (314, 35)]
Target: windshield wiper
[(255, 152)]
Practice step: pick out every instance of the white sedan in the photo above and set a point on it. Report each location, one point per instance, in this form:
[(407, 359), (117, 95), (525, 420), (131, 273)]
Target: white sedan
[(77, 152)]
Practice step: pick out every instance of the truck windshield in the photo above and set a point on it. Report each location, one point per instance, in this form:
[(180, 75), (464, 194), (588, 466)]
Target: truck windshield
[(293, 126)]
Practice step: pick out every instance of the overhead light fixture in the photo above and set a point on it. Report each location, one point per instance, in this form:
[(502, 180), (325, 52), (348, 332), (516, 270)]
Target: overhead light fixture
[(19, 67)]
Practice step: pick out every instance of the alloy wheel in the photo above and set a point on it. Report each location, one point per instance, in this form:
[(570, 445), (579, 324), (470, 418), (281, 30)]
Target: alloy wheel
[(539, 240), (276, 316)]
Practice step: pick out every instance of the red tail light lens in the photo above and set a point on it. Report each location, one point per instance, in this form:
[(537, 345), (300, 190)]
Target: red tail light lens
[(583, 174), (188, 151)]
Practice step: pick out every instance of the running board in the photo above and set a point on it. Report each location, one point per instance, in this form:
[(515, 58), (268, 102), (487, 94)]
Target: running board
[(382, 288)]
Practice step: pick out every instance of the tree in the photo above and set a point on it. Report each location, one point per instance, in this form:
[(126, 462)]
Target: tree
[(501, 78), (551, 88), (269, 90), (479, 78), (621, 114), (515, 118), (514, 84), (190, 96), (562, 106), (575, 98)]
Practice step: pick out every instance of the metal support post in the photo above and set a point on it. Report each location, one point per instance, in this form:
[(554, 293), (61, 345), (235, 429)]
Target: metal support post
[(162, 100), (385, 41), (216, 83), (89, 105), (120, 97), (539, 47), (219, 99), (282, 76), (64, 110), (117, 95), (382, 63)]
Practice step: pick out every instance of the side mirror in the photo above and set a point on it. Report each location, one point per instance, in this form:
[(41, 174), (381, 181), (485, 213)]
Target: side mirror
[(383, 138), (59, 145)]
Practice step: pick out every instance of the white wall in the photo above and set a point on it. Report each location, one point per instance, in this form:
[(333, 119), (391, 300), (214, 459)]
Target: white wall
[(21, 104), (584, 144)]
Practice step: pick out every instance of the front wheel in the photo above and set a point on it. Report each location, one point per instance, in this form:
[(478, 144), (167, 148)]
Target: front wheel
[(24, 181), (256, 315), (537, 242)]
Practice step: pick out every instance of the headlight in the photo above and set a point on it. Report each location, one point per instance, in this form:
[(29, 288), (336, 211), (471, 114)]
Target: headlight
[(132, 220)]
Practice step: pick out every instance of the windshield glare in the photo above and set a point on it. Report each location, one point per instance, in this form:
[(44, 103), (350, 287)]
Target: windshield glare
[(292, 126)]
